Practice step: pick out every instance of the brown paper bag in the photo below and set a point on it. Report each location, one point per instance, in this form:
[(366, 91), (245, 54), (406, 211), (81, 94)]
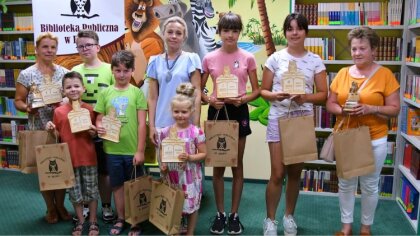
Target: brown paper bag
[(298, 141), (55, 170), (353, 152), (166, 207), (28, 139), (222, 138), (137, 194)]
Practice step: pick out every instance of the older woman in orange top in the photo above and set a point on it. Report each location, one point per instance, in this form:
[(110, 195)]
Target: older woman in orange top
[(379, 101)]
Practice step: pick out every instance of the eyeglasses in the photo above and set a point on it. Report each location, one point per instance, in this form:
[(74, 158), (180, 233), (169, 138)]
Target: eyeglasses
[(86, 46)]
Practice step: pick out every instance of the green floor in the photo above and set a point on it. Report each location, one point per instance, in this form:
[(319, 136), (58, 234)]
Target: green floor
[(22, 211)]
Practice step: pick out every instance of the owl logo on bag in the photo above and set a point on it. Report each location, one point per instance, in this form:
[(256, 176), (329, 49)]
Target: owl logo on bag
[(221, 143), (162, 207), (143, 199), (52, 166)]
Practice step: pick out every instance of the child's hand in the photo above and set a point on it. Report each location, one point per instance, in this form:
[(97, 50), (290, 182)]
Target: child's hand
[(163, 168), (184, 157), (138, 158), (216, 103), (299, 99), (234, 101), (49, 126), (92, 131), (100, 130), (153, 135), (280, 96)]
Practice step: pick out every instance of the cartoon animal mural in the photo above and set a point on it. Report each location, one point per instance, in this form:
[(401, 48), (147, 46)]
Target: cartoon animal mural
[(140, 37), (200, 36)]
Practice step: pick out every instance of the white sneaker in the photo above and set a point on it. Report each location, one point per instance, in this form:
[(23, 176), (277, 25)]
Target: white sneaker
[(289, 225), (270, 226)]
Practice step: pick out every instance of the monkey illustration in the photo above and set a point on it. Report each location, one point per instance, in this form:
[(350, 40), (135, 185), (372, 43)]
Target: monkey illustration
[(53, 166), (221, 143)]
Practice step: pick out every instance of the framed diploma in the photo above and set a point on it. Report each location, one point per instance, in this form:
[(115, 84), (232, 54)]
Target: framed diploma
[(79, 118), (112, 126), (227, 84), (51, 93), (171, 147), (293, 81)]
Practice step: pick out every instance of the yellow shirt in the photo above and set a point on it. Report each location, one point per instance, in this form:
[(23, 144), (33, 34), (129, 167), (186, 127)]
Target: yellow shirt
[(381, 85)]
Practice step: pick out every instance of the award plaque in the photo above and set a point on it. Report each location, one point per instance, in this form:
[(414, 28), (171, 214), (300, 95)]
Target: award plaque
[(171, 147), (293, 81), (353, 98), (35, 97), (79, 118), (112, 126), (51, 93), (227, 84)]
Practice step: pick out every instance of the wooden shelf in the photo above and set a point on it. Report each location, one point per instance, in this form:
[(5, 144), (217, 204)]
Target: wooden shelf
[(14, 117), (11, 3), (16, 61), (414, 140), (10, 169), (409, 101), (8, 143), (5, 89), (16, 32)]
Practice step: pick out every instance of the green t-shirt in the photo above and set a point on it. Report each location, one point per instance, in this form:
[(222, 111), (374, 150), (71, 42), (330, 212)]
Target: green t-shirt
[(126, 103), (95, 80)]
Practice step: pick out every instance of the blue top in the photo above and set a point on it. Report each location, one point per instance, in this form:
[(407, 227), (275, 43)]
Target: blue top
[(157, 69)]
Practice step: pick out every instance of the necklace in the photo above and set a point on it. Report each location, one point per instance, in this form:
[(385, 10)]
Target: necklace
[(169, 74)]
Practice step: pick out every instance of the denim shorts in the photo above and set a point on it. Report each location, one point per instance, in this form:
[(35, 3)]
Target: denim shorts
[(273, 133), (120, 169)]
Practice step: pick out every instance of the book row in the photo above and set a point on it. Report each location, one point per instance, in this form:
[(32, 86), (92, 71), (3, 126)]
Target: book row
[(389, 49), (409, 199), (8, 77), (19, 49), (411, 160), (12, 21), (314, 180), (413, 14), (9, 131), (7, 107), (353, 13), (9, 158)]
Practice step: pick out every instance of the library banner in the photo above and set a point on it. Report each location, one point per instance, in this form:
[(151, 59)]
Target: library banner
[(65, 18)]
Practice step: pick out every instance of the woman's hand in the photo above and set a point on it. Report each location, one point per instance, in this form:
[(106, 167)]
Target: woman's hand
[(216, 103), (362, 109)]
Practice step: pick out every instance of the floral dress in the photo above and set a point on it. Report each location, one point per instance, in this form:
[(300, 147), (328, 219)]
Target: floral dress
[(190, 178)]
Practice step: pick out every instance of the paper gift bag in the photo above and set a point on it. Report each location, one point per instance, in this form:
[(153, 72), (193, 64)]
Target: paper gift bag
[(327, 151), (222, 143), (298, 141), (28, 139), (137, 194), (166, 207), (353, 152), (55, 170)]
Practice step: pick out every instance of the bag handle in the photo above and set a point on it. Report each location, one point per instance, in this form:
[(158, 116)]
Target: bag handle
[(348, 123), (362, 86), (217, 114), (288, 110)]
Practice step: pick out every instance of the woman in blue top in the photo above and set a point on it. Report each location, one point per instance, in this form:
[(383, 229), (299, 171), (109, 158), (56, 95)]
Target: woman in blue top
[(166, 71)]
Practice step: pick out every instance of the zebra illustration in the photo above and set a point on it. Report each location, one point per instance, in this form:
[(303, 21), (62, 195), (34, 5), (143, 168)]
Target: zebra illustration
[(202, 9)]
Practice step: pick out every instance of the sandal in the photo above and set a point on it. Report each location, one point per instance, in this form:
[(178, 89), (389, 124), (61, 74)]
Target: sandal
[(93, 229), (51, 217), (135, 231), (115, 229), (77, 229)]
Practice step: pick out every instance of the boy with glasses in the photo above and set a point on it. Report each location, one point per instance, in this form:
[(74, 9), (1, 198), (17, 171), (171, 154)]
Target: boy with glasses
[(97, 75)]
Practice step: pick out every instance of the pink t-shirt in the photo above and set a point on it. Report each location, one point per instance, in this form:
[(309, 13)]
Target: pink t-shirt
[(240, 63)]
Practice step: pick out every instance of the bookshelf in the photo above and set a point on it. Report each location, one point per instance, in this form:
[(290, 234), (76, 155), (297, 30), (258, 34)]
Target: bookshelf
[(17, 53), (329, 40)]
